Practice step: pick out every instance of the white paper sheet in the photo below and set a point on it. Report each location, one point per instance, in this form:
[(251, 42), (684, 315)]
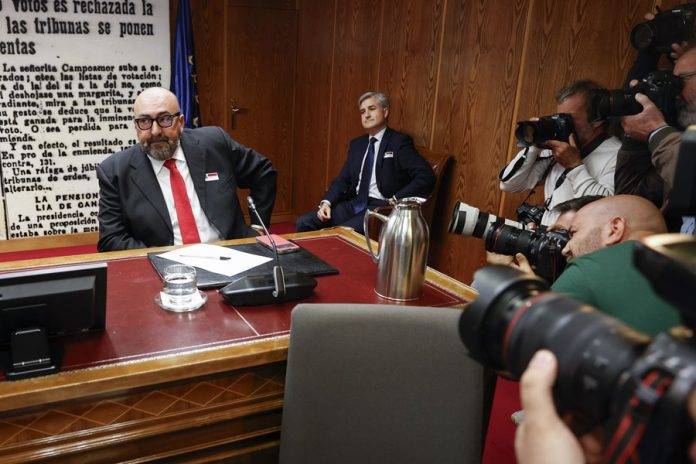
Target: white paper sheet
[(207, 257)]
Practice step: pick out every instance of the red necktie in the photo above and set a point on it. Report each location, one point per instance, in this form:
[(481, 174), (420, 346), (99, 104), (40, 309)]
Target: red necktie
[(187, 223)]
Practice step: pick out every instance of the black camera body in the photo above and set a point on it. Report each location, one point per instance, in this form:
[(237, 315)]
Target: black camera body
[(661, 87), (527, 213), (672, 26), (555, 127), (542, 248), (607, 373)]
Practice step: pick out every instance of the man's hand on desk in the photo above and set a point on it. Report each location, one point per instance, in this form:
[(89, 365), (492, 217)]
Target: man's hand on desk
[(324, 213)]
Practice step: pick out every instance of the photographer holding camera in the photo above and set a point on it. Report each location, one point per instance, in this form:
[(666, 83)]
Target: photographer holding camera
[(663, 140), (566, 212), (584, 165), (600, 272)]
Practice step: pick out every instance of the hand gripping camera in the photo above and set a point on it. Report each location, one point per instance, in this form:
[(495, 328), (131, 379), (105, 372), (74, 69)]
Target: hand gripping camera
[(661, 87)]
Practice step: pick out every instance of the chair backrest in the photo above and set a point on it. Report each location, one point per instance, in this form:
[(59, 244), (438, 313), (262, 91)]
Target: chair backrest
[(439, 163), (380, 384)]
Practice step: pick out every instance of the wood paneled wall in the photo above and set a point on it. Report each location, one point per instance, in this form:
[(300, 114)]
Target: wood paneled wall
[(459, 74)]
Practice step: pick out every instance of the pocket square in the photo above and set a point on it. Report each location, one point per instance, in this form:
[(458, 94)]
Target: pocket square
[(211, 176), (389, 154)]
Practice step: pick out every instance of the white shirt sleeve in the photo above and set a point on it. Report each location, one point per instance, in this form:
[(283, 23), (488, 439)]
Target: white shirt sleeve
[(529, 174)]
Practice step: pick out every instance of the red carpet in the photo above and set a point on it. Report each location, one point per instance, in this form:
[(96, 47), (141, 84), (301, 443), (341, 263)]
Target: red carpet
[(500, 437)]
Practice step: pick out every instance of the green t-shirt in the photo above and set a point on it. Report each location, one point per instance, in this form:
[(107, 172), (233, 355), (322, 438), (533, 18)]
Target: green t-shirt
[(607, 280)]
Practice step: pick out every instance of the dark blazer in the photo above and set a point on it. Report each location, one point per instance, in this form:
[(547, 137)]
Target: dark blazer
[(132, 211), (404, 174)]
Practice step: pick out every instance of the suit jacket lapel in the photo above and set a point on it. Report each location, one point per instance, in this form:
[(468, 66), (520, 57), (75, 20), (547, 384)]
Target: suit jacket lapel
[(144, 178), (196, 161)]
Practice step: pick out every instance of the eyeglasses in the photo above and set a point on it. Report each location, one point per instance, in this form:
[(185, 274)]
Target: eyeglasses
[(166, 120), (686, 76)]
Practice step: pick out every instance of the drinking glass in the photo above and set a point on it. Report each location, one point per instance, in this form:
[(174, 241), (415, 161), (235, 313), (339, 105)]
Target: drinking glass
[(180, 284)]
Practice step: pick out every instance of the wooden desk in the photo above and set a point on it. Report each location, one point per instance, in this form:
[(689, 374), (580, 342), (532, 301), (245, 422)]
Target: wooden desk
[(220, 397)]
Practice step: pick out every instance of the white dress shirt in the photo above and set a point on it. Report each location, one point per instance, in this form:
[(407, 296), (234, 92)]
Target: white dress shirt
[(206, 231), (374, 191), (595, 176)]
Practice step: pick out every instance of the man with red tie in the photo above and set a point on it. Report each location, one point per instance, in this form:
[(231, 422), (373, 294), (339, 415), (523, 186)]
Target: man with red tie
[(381, 164), (178, 186)]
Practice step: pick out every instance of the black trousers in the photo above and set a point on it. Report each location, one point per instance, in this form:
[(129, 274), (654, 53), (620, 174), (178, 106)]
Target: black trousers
[(341, 215)]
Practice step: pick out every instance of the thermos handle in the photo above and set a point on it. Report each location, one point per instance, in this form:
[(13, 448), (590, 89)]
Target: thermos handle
[(366, 221)]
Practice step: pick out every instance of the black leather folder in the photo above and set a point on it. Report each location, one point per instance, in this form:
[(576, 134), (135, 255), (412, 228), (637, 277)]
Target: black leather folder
[(298, 261)]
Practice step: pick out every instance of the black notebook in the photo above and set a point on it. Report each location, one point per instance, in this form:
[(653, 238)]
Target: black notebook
[(298, 261)]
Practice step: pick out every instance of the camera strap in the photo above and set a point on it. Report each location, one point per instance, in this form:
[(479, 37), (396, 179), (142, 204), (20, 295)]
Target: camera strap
[(636, 414), (543, 178), (559, 182)]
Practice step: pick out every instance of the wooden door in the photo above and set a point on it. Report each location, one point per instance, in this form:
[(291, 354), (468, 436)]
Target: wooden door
[(261, 46), (246, 54)]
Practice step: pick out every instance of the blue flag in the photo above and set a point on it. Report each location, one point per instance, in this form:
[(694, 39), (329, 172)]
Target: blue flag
[(184, 67)]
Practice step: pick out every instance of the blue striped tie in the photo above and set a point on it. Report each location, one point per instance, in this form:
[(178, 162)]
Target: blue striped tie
[(364, 190)]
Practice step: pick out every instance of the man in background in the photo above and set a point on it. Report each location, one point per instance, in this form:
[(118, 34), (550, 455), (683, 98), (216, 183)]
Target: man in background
[(381, 164)]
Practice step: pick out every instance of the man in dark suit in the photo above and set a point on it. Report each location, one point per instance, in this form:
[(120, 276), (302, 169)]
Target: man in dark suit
[(178, 186), (381, 164)]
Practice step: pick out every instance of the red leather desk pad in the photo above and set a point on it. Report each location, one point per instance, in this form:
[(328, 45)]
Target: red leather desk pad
[(137, 328)]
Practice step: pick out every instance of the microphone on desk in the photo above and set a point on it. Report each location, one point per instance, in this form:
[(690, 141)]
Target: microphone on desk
[(276, 287)]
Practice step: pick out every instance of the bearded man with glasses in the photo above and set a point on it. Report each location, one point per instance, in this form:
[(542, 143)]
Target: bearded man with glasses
[(663, 140), (177, 185)]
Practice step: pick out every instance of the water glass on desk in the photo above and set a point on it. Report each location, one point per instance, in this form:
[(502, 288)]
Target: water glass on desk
[(179, 284)]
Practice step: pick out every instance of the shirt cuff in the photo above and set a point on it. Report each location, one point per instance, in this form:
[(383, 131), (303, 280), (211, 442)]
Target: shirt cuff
[(658, 131), (321, 203)]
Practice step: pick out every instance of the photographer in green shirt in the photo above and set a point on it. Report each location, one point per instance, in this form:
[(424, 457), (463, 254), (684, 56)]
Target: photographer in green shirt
[(600, 269)]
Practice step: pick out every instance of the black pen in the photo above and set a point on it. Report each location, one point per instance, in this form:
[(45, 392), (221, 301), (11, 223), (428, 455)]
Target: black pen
[(221, 258)]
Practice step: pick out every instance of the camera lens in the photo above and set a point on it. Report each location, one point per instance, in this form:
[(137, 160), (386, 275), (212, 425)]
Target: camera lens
[(514, 317), (642, 35), (468, 220), (527, 133), (508, 240)]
